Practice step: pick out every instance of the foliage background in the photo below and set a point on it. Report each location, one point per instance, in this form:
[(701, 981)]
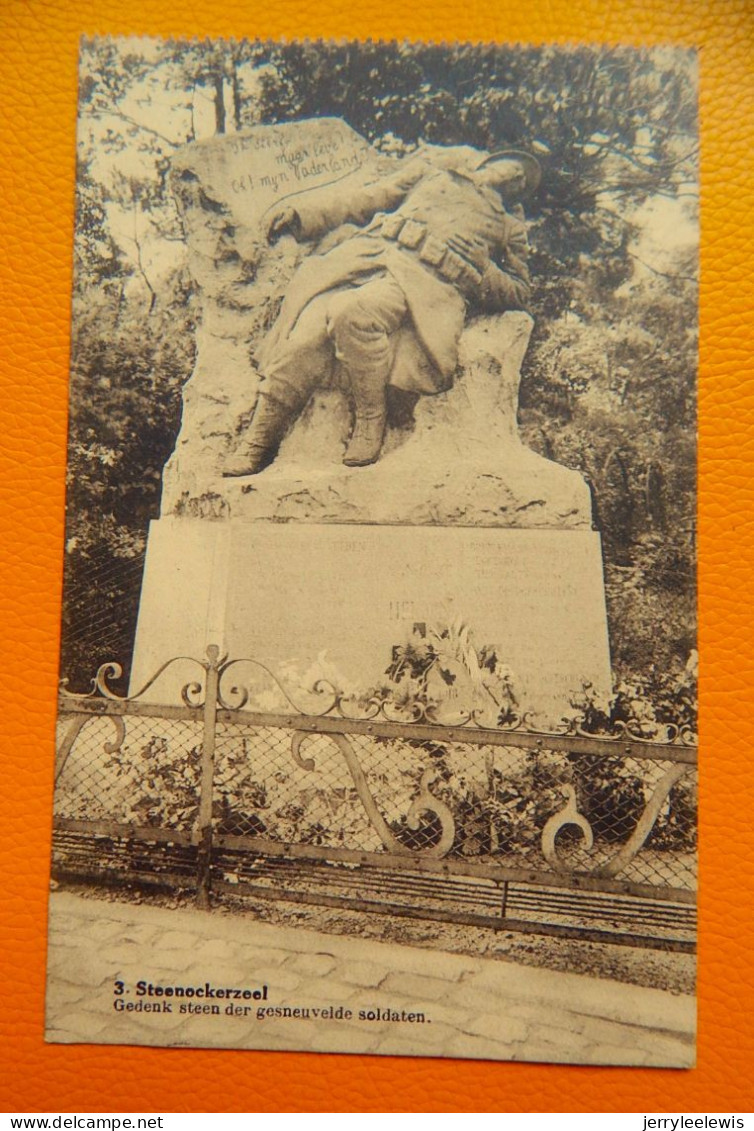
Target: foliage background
[(609, 383)]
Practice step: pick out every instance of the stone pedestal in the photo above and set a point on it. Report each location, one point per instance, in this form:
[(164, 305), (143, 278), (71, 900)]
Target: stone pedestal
[(332, 601)]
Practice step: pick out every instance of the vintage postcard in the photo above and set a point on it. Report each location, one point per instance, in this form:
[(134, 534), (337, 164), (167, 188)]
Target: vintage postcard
[(377, 726)]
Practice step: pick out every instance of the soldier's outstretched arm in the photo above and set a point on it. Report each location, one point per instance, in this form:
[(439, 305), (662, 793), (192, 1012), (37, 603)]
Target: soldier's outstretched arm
[(312, 214)]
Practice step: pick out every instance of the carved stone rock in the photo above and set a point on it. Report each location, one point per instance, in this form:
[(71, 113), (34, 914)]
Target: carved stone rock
[(459, 461)]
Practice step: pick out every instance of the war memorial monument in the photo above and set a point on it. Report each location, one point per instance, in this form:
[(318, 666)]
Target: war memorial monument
[(349, 472)]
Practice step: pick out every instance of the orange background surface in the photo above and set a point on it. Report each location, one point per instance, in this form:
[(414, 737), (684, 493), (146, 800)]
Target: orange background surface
[(38, 61)]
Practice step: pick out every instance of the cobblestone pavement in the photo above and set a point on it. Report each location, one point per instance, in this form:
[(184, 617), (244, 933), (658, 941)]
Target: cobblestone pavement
[(471, 1007)]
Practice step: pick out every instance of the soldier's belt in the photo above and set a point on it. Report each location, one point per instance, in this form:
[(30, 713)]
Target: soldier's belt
[(435, 253)]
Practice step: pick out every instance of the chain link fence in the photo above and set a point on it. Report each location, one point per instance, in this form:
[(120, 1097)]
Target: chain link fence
[(467, 802), (500, 798), (129, 769)]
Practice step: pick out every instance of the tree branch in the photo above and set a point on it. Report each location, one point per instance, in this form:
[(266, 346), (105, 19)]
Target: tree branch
[(663, 274), (100, 112)]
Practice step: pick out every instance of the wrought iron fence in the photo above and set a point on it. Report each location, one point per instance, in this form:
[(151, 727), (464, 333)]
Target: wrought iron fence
[(378, 806)]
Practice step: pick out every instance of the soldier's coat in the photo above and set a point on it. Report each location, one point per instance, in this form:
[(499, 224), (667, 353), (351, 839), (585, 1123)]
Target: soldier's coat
[(446, 204)]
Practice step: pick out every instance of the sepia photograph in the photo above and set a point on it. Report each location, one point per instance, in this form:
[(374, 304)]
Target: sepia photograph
[(377, 726)]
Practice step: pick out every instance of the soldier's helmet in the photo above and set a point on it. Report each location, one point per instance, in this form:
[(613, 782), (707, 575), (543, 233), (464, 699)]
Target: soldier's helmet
[(532, 168)]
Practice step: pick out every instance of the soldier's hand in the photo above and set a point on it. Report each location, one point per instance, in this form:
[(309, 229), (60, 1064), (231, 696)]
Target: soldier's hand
[(410, 171), (475, 251), (284, 222)]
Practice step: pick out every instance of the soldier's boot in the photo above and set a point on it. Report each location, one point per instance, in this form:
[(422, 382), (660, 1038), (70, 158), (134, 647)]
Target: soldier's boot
[(370, 418), (258, 447)]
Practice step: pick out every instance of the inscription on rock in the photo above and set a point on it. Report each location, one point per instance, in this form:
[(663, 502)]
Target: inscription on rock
[(247, 173)]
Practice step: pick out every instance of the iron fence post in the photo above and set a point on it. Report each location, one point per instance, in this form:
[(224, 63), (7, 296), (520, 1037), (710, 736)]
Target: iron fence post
[(206, 780), (504, 899)]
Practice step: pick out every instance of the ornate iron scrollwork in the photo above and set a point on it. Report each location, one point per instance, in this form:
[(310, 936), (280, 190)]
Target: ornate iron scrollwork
[(191, 694), (568, 815), (78, 722), (236, 697), (645, 824), (668, 734), (412, 710), (425, 802)]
